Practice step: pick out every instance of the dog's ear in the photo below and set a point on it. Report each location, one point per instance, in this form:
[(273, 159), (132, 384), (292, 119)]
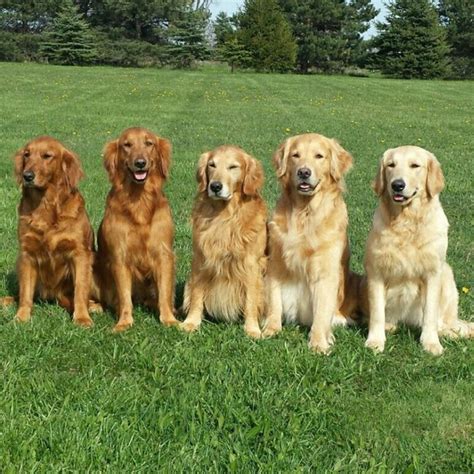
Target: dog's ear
[(435, 177), (253, 180), (110, 153), (280, 158), (71, 169), (18, 165), (201, 173), (341, 161), (380, 183), (164, 156)]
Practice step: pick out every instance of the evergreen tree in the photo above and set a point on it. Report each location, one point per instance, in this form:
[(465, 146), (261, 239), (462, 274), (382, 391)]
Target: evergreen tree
[(224, 28), (68, 40), (458, 18), (187, 38), (411, 43), (266, 34), (234, 53)]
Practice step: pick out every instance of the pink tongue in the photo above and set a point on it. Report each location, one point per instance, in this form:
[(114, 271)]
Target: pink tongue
[(139, 175), (398, 197)]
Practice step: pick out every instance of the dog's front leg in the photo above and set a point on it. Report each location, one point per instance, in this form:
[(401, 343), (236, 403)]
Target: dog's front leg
[(324, 302), (274, 306), (429, 331), (376, 297), (253, 301), (165, 284), (82, 284), (123, 284), (195, 292), (27, 275)]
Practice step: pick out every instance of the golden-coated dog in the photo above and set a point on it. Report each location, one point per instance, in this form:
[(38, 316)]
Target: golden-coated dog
[(135, 259), (408, 279), (55, 236), (229, 239), (308, 279)]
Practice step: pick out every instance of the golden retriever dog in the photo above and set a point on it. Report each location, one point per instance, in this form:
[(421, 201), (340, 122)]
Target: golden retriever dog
[(55, 236), (308, 278), (229, 239), (135, 259), (408, 279)]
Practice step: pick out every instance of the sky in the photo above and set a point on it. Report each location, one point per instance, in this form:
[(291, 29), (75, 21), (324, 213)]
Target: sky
[(231, 6)]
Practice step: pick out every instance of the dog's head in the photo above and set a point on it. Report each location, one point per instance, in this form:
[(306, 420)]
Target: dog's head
[(136, 155), (408, 172), (228, 170), (45, 161), (310, 162)]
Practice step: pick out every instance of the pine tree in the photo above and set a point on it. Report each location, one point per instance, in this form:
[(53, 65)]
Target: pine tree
[(68, 40), (224, 28), (234, 53), (457, 16), (186, 38), (411, 43), (266, 34)]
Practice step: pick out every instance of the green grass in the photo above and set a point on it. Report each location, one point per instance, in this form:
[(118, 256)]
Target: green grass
[(156, 399)]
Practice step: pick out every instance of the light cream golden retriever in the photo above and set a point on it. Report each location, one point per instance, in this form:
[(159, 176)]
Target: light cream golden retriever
[(408, 279), (308, 277), (229, 239)]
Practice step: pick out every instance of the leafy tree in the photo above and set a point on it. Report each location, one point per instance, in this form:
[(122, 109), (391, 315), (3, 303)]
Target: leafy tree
[(266, 34), (234, 53), (411, 43), (68, 40), (328, 32), (187, 38), (25, 16), (457, 16)]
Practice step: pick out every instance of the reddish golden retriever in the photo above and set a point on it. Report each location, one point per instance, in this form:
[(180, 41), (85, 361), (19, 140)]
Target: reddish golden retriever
[(55, 236), (135, 259), (229, 238), (308, 269)]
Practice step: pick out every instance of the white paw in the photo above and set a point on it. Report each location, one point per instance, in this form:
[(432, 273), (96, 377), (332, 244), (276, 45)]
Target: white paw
[(376, 344), (433, 347), (189, 326)]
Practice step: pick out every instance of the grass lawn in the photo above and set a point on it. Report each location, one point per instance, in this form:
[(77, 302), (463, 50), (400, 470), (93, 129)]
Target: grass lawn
[(156, 399)]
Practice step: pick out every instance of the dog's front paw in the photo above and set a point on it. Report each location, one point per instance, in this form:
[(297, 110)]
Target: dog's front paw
[(83, 320), (376, 344), (169, 321), (23, 315), (189, 326), (433, 347), (271, 330), (253, 332), (321, 345), (122, 326)]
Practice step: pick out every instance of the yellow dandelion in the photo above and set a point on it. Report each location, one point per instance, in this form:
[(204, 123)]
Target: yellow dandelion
[(465, 290), (287, 129)]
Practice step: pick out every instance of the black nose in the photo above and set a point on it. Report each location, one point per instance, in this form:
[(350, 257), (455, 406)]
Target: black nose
[(140, 163), (304, 173), (216, 186), (28, 176), (398, 185)]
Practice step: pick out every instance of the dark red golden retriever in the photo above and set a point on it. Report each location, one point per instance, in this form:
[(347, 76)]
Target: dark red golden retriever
[(135, 259), (55, 236)]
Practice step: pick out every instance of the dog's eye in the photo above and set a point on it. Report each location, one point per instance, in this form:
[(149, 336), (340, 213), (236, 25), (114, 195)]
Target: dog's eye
[(148, 143), (391, 165), (26, 154), (47, 156), (414, 165), (295, 155), (127, 144), (319, 156), (211, 165), (233, 167)]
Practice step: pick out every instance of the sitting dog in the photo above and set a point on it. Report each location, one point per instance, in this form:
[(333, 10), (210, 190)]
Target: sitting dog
[(229, 238), (408, 279)]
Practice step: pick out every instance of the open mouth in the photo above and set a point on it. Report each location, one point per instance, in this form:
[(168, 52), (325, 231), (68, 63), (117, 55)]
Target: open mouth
[(305, 187), (397, 197), (139, 176)]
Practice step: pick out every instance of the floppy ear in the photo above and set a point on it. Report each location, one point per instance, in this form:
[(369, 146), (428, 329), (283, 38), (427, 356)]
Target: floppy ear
[(110, 154), (280, 158), (253, 180), (201, 173), (18, 165), (71, 168), (379, 184), (435, 178), (341, 161), (164, 156)]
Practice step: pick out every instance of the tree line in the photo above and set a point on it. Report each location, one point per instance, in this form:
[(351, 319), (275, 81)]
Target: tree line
[(417, 39)]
